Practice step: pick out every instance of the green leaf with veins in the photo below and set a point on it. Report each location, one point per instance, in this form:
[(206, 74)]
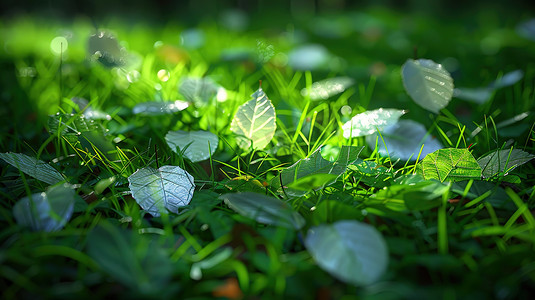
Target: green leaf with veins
[(449, 165), (254, 122)]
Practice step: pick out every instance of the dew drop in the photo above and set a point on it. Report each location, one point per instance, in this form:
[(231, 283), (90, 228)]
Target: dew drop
[(59, 45), (133, 76), (163, 75), (345, 110)]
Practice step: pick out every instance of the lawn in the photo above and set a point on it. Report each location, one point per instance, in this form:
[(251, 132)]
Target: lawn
[(369, 153)]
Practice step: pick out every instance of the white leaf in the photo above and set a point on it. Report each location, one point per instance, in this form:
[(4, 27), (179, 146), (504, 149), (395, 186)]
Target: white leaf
[(200, 144), (308, 57), (200, 91), (48, 211), (254, 122), (168, 187), (351, 251), (327, 88), (154, 108), (371, 121), (428, 83), (33, 167), (404, 140)]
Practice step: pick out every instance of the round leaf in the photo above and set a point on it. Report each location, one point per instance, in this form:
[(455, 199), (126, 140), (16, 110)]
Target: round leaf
[(428, 83), (254, 122), (404, 140), (167, 187), (198, 145), (371, 121), (351, 251), (48, 211), (264, 209)]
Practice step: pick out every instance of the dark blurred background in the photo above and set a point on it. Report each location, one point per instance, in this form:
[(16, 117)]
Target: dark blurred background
[(190, 11)]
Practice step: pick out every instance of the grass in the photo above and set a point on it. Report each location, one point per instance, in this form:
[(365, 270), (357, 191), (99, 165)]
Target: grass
[(475, 239)]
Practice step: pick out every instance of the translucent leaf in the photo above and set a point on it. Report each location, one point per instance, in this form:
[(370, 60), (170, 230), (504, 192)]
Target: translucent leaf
[(199, 91), (476, 95), (371, 121), (313, 165), (264, 209), (327, 88), (308, 57), (312, 182), (168, 187), (508, 79), (527, 29), (198, 145), (159, 108), (503, 161), (192, 38), (48, 211), (353, 252), (135, 260), (450, 165), (105, 48), (89, 112), (428, 83), (36, 168), (72, 126), (404, 140), (254, 122), (482, 95), (422, 195)]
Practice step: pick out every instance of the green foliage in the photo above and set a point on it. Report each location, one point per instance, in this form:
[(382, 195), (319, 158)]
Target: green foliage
[(264, 209), (428, 83), (33, 167), (254, 122), (48, 211), (196, 145), (321, 191), (168, 187), (449, 165), (352, 251)]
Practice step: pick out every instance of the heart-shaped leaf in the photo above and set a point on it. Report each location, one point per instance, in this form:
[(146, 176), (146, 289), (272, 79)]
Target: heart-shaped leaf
[(450, 165), (428, 83), (254, 122), (264, 209), (167, 187), (198, 145), (503, 161), (48, 211), (371, 121), (351, 251), (327, 88), (154, 108), (199, 91), (36, 168), (404, 140)]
